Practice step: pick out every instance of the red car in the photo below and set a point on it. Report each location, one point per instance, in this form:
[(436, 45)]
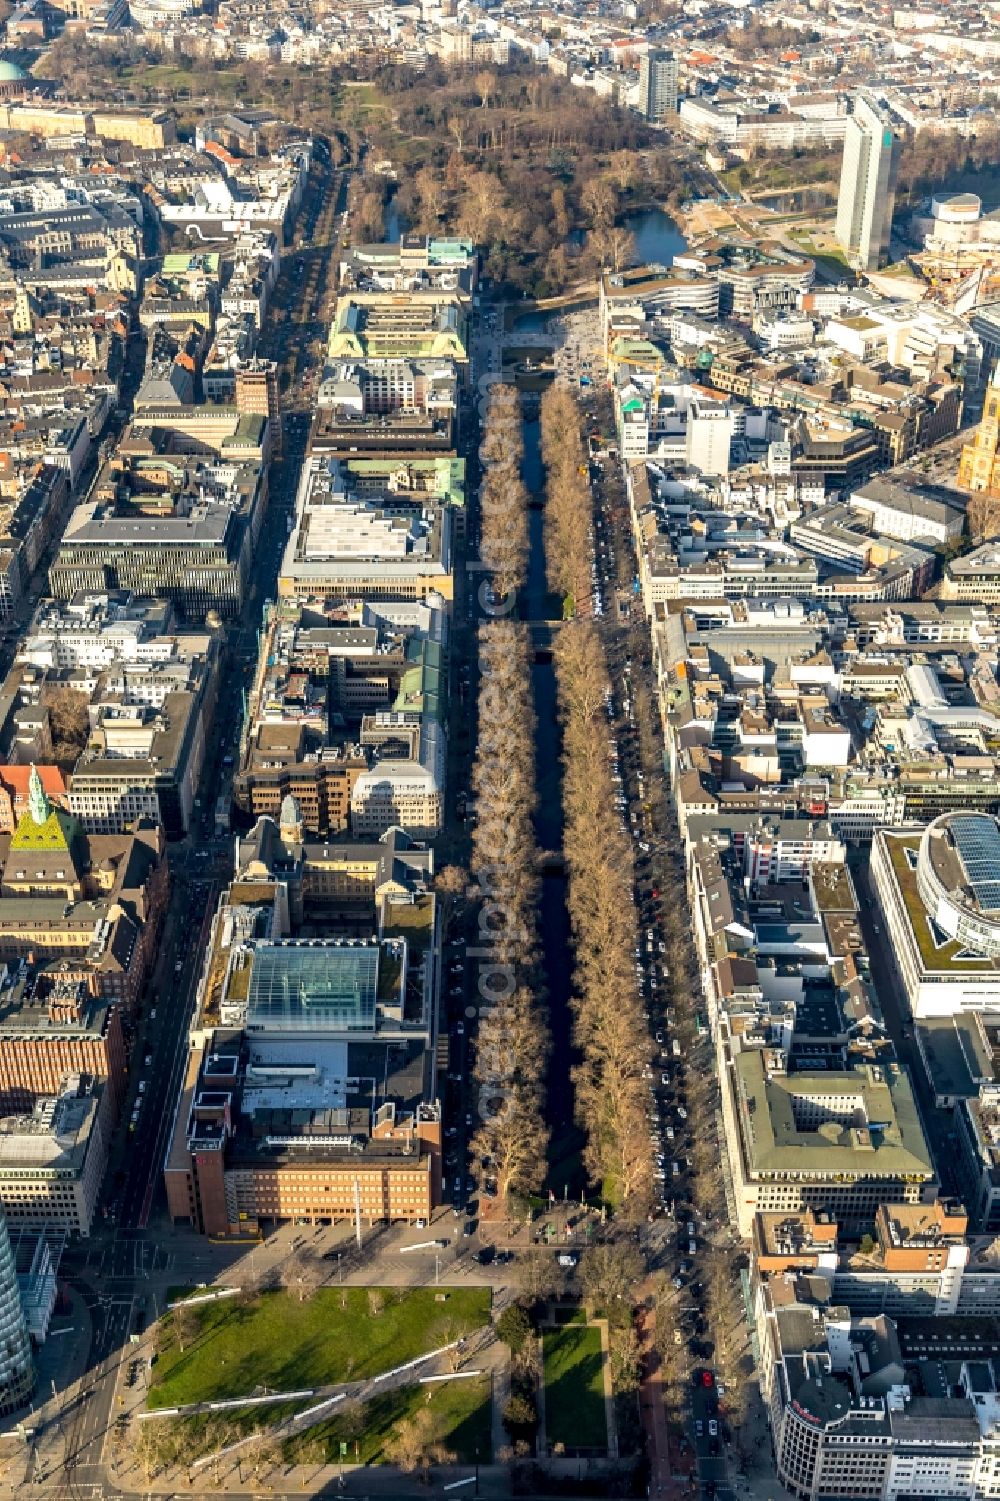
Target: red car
[(707, 1378)]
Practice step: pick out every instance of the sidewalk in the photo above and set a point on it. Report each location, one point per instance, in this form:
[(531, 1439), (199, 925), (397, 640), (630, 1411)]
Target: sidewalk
[(61, 1361), (662, 1479), (311, 1480)]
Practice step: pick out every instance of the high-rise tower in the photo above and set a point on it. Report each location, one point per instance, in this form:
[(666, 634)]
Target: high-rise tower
[(867, 186), (658, 84), (17, 1370)]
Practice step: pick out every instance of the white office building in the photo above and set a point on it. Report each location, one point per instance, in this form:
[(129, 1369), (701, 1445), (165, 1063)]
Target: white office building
[(867, 186)]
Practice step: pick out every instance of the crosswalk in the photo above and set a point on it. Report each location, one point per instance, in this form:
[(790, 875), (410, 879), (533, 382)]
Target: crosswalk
[(129, 1258)]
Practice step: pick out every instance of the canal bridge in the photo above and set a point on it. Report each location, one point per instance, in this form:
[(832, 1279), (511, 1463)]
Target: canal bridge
[(543, 638)]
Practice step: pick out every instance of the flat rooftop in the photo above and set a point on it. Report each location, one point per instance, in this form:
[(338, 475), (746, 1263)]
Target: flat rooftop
[(853, 1124), (938, 953), (953, 1055), (53, 1138)]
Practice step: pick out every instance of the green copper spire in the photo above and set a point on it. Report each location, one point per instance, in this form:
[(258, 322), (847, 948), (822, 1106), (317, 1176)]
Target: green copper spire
[(38, 803)]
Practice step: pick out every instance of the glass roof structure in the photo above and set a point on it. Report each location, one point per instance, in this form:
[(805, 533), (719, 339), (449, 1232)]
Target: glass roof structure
[(977, 841), (313, 987)]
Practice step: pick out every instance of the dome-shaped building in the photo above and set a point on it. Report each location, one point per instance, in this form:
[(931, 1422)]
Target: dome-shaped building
[(12, 78)]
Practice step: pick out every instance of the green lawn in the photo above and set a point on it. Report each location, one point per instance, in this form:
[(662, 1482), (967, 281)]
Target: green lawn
[(153, 78), (573, 1363), (834, 265), (831, 258), (288, 1345), (461, 1411), (934, 956)]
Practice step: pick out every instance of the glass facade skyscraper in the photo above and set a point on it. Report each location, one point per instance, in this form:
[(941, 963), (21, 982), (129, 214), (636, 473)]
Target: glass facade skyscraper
[(17, 1370), (867, 186)]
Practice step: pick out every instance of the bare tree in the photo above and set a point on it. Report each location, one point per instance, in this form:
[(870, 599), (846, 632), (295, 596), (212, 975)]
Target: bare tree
[(69, 723), (610, 1028), (432, 193), (456, 126), (983, 512), (621, 248), (413, 1445), (624, 1357), (451, 885), (147, 1449), (185, 1323), (538, 1276), (298, 1274), (599, 201), (513, 1035), (259, 1452), (568, 501), (626, 168), (610, 1274), (481, 201)]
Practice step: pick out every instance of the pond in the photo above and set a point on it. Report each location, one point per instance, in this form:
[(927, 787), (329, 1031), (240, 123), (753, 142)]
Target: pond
[(657, 237)]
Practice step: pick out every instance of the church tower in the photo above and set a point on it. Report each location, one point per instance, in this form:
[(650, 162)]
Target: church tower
[(979, 466)]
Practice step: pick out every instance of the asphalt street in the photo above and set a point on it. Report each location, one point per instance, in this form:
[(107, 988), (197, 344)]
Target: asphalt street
[(133, 1256)]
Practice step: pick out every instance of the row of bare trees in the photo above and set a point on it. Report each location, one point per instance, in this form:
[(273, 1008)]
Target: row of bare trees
[(610, 1028), (718, 1263), (568, 512), (168, 1443), (502, 496), (366, 207), (513, 1039)]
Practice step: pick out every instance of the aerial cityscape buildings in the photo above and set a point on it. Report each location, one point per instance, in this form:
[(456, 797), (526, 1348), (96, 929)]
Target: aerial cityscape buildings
[(500, 750)]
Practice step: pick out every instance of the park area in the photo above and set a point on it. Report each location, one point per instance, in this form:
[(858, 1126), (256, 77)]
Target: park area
[(234, 1349), (275, 1344), (575, 1408), (451, 1417)]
